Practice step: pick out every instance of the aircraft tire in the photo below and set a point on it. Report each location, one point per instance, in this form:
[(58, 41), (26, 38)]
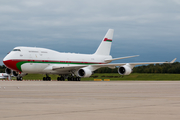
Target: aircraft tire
[(70, 78), (19, 78), (78, 79), (62, 78), (48, 78)]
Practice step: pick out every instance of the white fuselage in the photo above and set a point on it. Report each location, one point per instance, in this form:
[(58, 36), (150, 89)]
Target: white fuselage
[(41, 60)]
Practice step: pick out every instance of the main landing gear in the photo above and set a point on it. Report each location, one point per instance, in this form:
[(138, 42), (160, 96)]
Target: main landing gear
[(47, 78), (19, 78), (69, 78), (72, 78), (63, 78)]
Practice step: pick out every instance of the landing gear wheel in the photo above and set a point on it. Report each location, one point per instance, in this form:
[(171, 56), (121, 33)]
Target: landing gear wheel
[(74, 79), (69, 78), (78, 79), (60, 78), (19, 78), (46, 78)]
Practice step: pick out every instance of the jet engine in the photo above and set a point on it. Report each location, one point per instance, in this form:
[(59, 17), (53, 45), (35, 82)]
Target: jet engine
[(83, 72), (8, 71), (12, 73), (124, 70), (15, 73)]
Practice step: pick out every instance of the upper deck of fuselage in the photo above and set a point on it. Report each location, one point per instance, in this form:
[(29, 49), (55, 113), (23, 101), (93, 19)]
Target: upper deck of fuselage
[(43, 51), (37, 53), (32, 50)]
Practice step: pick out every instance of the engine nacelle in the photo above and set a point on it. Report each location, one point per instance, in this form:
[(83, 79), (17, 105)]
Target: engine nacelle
[(8, 71), (15, 73), (124, 70), (83, 72)]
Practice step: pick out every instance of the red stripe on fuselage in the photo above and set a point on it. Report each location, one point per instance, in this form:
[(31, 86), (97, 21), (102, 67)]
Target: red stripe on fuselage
[(11, 64)]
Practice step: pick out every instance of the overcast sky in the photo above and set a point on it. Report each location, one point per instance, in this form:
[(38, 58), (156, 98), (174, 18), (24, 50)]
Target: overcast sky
[(149, 28)]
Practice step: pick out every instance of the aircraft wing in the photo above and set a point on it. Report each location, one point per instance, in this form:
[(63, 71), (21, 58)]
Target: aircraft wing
[(111, 65), (132, 64), (75, 67)]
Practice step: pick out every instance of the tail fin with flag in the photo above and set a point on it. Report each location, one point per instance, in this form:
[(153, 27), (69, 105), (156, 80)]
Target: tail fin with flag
[(105, 46)]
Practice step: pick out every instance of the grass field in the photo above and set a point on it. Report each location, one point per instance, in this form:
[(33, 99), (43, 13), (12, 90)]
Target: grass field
[(114, 76)]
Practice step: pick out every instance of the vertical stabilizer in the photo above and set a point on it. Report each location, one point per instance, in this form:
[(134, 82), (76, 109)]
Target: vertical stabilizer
[(105, 46)]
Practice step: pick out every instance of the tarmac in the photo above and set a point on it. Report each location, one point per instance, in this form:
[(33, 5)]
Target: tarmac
[(65, 100)]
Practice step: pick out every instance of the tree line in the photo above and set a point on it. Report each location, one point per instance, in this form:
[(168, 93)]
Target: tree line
[(159, 68), (2, 68), (154, 68)]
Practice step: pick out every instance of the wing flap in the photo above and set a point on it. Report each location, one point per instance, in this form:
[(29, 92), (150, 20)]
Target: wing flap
[(66, 68), (110, 60)]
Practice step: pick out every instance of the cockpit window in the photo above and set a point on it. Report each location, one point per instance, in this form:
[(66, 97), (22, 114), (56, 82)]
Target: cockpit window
[(16, 50)]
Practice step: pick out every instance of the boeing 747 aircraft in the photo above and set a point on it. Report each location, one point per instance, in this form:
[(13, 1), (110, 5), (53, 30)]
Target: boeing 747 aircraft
[(23, 60)]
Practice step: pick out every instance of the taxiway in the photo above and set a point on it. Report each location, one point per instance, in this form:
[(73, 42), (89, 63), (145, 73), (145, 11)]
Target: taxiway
[(54, 100)]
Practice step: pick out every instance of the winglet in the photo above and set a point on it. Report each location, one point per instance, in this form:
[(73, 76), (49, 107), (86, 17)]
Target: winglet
[(173, 60)]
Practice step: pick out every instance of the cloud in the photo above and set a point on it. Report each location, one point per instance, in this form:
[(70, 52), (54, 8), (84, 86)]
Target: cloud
[(8, 9), (177, 1), (32, 3), (57, 23)]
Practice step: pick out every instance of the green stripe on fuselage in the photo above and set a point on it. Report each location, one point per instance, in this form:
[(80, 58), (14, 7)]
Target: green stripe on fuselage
[(18, 65)]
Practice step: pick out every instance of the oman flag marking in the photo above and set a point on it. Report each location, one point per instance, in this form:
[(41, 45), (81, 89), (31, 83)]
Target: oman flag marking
[(107, 40)]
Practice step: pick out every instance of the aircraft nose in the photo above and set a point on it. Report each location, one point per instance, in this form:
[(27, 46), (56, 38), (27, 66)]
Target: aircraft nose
[(5, 59), (11, 64), (6, 62)]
